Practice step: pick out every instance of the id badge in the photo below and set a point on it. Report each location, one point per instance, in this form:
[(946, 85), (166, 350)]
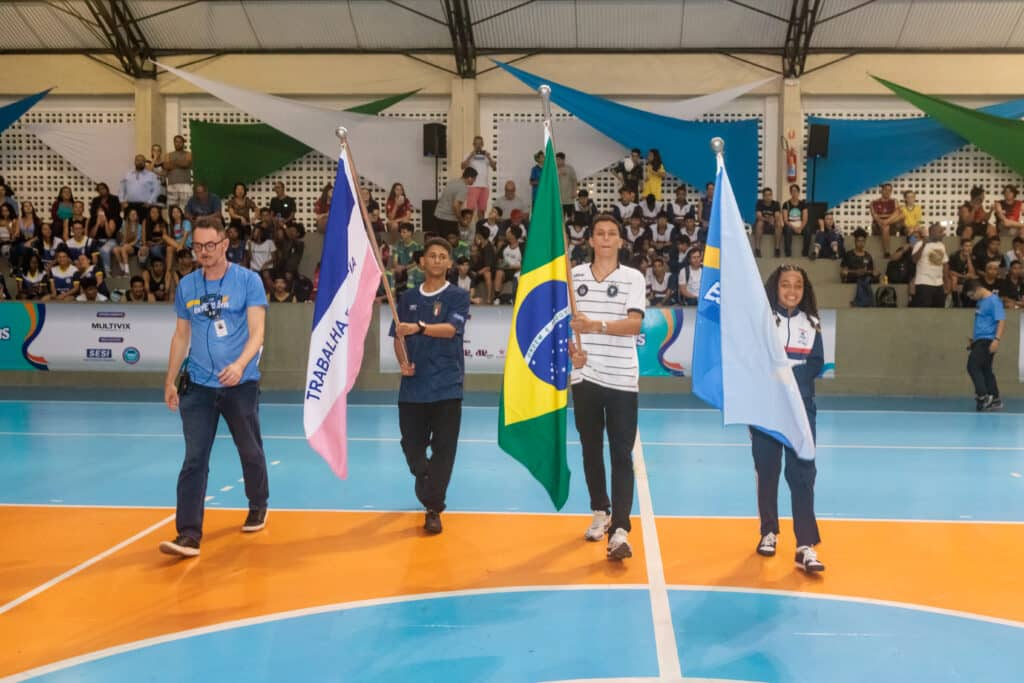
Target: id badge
[(221, 328)]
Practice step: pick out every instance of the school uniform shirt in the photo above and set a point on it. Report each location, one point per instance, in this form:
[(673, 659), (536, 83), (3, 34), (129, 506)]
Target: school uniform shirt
[(492, 229), (236, 254), (48, 254), (33, 285), (218, 311), (513, 257), (650, 213), (987, 315), (691, 281), (611, 359), (636, 238), (577, 234), (440, 363), (929, 266), (656, 289), (680, 212), (622, 212), (63, 279), (661, 240), (800, 337), (260, 254), (78, 247), (100, 298), (404, 252)]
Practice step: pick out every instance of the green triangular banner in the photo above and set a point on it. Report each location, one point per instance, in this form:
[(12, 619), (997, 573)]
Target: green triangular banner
[(227, 153), (1000, 137)]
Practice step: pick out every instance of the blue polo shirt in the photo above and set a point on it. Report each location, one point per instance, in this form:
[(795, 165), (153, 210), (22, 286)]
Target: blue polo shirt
[(987, 315), (212, 304), (440, 364)]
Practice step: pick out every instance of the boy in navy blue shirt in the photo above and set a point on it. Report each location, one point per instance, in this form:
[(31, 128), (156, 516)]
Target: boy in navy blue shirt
[(431, 320), (989, 322)]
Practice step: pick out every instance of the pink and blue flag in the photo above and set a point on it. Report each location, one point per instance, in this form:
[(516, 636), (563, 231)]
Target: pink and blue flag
[(349, 278)]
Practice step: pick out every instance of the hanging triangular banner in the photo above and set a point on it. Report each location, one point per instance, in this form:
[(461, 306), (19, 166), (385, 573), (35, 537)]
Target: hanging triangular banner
[(227, 153), (9, 113), (101, 151), (1002, 138)]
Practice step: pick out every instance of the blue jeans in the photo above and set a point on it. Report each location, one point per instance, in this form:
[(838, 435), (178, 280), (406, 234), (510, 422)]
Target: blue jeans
[(201, 409)]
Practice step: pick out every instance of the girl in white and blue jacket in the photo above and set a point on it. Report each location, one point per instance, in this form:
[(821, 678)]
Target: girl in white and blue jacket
[(796, 320)]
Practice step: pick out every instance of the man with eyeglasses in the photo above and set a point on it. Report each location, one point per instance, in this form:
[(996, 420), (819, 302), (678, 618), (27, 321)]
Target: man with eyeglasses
[(221, 310)]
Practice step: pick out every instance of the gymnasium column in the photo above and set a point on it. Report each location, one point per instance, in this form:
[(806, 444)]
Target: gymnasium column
[(792, 120), (463, 117), (150, 121)]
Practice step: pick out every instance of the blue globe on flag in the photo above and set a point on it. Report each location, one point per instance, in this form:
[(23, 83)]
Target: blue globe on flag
[(543, 333)]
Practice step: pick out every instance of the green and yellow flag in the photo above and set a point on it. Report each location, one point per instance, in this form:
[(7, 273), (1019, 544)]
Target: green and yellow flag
[(532, 412)]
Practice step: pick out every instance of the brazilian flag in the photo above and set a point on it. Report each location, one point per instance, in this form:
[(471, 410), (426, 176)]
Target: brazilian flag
[(534, 396)]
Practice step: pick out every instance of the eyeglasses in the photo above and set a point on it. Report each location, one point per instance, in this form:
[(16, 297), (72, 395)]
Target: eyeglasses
[(200, 247)]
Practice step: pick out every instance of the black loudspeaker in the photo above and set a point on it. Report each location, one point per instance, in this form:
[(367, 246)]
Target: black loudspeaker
[(817, 141), (435, 140), (815, 212), (427, 214)]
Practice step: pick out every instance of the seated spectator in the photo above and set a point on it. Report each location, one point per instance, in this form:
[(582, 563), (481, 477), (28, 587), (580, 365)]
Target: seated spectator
[(282, 207), (178, 235), (482, 261), (980, 216), (510, 201), (137, 293), (649, 209), (692, 231), (414, 275), (108, 203), (857, 263), (204, 205), (104, 236), (33, 281), (78, 213), (630, 171), (510, 263), (492, 223), (8, 228), (397, 208), (626, 206), (659, 284), (636, 233), (466, 227), (62, 276), (828, 241), (463, 278), (154, 244), (85, 268), (1016, 253), (910, 217), (1012, 291), (259, 255), (585, 206), (884, 214), (961, 269), (679, 208), (281, 293), (288, 257), (794, 217), (131, 240), (679, 255), (581, 253), (518, 221), (236, 252), (990, 278), (900, 268), (931, 272), (460, 248), (79, 243), (538, 166), (703, 209), (767, 216), (158, 280), (687, 283), (46, 245), (579, 228), (1008, 212), (62, 209), (90, 292), (405, 247), (662, 235), (240, 208), (23, 233), (184, 264), (987, 249)]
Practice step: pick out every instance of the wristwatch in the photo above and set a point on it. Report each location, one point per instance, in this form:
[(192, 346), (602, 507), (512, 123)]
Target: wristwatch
[(604, 327), (423, 326)]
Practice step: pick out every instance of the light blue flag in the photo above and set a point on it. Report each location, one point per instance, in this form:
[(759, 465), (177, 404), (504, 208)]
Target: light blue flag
[(739, 363)]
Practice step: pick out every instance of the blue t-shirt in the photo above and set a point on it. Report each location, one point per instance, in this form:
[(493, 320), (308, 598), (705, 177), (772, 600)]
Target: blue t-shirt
[(987, 315), (534, 181), (440, 365), (206, 302)]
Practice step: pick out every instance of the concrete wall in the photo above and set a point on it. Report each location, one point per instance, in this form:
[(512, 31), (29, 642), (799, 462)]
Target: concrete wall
[(882, 352)]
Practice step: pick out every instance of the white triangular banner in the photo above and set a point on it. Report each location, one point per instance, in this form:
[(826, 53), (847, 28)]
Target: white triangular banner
[(102, 151), (586, 149), (388, 149)]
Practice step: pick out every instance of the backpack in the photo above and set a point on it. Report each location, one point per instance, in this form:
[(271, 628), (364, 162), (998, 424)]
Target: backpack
[(863, 297), (900, 271), (885, 297)]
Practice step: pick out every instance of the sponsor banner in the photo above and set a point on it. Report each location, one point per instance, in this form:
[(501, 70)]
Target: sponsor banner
[(664, 346), (90, 337)]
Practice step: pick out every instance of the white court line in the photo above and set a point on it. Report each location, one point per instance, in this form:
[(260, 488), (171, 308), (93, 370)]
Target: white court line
[(658, 444), (85, 565), (661, 613), (292, 614)]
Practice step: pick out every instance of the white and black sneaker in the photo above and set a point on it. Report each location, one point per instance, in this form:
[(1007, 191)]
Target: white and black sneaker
[(996, 404), (182, 546), (807, 559), (255, 520), (598, 526), (767, 545), (618, 545)]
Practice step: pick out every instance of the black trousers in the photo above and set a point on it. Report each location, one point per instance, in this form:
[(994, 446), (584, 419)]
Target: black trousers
[(787, 240), (596, 408), (979, 367), (435, 425), (800, 475), (929, 296)]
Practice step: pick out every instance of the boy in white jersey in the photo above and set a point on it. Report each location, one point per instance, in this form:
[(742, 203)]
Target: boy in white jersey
[(610, 300)]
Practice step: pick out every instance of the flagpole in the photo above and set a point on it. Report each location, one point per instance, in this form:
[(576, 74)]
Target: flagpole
[(342, 133), (545, 98)]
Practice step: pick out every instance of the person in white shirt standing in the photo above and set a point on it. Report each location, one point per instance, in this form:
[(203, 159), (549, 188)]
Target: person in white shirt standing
[(610, 301), (481, 160), (932, 273)]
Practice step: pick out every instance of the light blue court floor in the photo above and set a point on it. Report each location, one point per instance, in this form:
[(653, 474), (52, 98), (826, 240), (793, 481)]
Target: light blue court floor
[(922, 516)]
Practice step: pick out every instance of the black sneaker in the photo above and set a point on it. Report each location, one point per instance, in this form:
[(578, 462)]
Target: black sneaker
[(432, 523), (256, 520), (182, 546), (807, 560), (767, 545), (997, 404), (986, 403)]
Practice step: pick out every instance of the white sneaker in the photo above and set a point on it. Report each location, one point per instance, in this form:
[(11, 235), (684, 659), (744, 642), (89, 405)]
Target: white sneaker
[(618, 545), (807, 559), (598, 526), (767, 545)]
